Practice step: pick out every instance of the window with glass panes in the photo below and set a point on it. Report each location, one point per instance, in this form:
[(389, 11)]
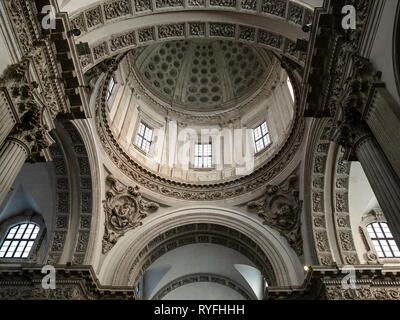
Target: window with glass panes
[(290, 86), (382, 239), (261, 137), (19, 241), (110, 88), (203, 155), (144, 137)]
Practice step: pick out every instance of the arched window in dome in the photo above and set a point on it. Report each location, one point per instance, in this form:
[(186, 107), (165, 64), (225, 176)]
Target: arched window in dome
[(290, 86), (110, 89), (261, 137), (19, 240), (383, 241)]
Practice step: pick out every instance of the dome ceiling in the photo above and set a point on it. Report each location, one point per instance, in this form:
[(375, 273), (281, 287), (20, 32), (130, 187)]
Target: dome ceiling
[(200, 75)]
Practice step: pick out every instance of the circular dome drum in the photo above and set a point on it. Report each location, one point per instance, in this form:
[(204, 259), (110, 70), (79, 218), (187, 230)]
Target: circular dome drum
[(201, 75), (152, 128)]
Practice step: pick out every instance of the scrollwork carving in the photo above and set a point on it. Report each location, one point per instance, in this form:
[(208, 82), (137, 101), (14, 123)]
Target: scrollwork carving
[(274, 7), (280, 208), (124, 210), (117, 9)]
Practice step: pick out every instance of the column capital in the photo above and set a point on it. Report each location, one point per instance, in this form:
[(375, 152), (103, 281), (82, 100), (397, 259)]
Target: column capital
[(348, 130), (351, 102), (16, 87), (31, 132), (358, 89)]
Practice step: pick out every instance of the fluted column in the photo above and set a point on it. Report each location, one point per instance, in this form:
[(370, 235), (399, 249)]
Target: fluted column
[(383, 179), (8, 118), (13, 155), (16, 96), (384, 122), (26, 141)]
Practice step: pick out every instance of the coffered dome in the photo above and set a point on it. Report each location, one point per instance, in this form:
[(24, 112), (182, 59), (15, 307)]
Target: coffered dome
[(200, 75)]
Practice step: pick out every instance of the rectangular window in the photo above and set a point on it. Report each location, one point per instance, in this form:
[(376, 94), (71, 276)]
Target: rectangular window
[(202, 155), (144, 137), (261, 137), (382, 240), (110, 89)]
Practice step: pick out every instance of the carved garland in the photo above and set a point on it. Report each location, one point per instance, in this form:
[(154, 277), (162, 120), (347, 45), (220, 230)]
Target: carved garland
[(369, 289)]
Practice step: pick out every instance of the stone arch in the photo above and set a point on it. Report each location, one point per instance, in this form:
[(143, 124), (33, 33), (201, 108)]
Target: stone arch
[(202, 233), (328, 199), (206, 277), (120, 265), (315, 169), (73, 196), (107, 26)]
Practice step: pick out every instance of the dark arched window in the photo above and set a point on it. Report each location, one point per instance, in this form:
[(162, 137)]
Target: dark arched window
[(382, 239), (19, 240)]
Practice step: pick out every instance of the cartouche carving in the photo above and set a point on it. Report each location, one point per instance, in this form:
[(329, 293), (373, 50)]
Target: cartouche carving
[(280, 208), (124, 209)]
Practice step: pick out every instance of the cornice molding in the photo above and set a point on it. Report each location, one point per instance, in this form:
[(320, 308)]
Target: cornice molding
[(73, 283), (46, 50)]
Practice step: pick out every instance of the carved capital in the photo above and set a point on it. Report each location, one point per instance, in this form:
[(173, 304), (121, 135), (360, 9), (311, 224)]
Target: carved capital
[(350, 104), (15, 73), (31, 132)]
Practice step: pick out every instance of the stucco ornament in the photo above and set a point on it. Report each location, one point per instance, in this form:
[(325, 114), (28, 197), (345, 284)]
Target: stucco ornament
[(124, 210), (280, 208)]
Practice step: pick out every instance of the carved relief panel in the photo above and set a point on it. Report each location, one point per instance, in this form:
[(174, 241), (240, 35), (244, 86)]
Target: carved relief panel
[(280, 209), (124, 210)]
